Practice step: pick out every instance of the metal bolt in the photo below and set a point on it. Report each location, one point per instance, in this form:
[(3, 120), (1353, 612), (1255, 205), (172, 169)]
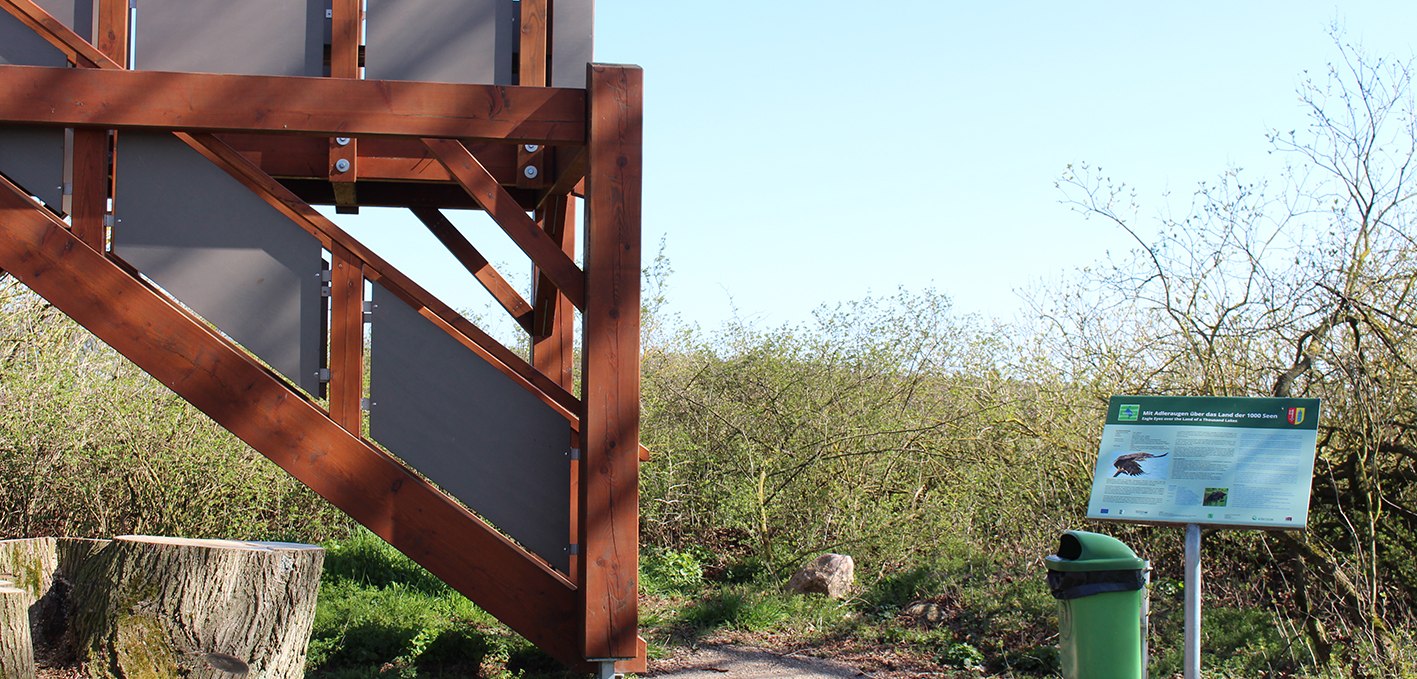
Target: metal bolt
[(531, 148), (342, 141), (342, 165), (530, 171)]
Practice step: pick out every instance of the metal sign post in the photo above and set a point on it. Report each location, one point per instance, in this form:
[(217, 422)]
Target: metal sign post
[(1193, 601)]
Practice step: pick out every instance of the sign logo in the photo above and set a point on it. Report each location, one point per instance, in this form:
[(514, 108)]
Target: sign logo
[(1296, 416), (1129, 412)]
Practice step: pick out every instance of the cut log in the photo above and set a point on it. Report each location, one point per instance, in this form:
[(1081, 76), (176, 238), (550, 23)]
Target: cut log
[(16, 650), (154, 606), (44, 569)]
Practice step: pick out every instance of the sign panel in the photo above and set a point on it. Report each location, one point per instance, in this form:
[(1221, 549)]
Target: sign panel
[(1206, 460)]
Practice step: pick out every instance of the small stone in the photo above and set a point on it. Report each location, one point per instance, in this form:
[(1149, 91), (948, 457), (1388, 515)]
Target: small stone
[(830, 574), (927, 614)]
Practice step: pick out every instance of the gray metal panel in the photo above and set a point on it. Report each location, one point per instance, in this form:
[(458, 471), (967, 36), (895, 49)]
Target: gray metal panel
[(451, 41), (462, 423), (21, 46), (247, 37), (572, 41), (33, 157), (76, 14), (221, 250)]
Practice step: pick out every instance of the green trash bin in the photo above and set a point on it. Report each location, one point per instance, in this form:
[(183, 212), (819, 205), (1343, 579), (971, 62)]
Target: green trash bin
[(1100, 585)]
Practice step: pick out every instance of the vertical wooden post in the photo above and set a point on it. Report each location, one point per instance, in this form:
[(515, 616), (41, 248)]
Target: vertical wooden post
[(611, 374), (346, 19), (92, 183), (346, 339), (532, 171)]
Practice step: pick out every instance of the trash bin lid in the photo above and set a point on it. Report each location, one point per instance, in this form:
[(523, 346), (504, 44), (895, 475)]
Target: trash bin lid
[(1080, 550)]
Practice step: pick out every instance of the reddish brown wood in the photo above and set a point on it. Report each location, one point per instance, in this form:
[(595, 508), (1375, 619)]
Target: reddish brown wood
[(532, 72), (113, 30), (91, 185), (532, 61), (571, 165), (551, 331), (375, 268), (113, 97), (545, 253), (477, 265), (379, 159), (346, 339), (611, 374), (243, 396), (78, 50), (346, 19)]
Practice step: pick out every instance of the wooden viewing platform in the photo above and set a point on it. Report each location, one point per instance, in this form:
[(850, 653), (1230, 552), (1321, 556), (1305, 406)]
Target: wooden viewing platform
[(165, 203)]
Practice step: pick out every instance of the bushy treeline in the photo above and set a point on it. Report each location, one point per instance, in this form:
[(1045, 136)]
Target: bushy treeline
[(905, 435), (90, 446)]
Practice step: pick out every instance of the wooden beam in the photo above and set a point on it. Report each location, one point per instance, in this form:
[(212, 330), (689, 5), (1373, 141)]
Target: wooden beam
[(545, 253), (56, 33), (377, 269), (91, 187), (113, 30), (335, 107), (346, 340), (346, 17), (472, 260), (531, 65), (531, 71), (379, 158), (93, 183), (609, 511), (243, 396)]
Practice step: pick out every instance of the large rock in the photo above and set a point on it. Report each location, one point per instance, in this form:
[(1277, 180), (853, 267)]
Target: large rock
[(830, 574)]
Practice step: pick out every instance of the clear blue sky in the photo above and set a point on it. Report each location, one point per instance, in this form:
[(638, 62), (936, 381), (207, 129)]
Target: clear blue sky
[(805, 153)]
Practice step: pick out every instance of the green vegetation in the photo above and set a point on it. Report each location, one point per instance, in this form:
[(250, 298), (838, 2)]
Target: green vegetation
[(381, 615), (945, 453)]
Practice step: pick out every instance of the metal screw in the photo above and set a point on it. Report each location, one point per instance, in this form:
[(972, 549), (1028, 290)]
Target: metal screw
[(530, 172), (342, 165), (342, 141), (531, 148)]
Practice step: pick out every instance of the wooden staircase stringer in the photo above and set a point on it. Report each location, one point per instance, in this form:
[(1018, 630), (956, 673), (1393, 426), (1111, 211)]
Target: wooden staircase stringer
[(240, 394)]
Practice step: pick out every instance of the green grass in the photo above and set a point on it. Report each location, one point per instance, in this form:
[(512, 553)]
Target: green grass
[(381, 615)]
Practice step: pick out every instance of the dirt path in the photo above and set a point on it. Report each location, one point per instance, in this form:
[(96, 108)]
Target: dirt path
[(728, 660)]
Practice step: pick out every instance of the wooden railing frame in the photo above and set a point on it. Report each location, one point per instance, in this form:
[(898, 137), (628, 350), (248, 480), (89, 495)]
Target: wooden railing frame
[(586, 617)]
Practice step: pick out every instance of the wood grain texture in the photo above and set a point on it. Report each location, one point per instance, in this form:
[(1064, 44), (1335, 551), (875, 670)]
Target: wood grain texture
[(477, 265), (545, 253), (202, 102), (609, 511), (158, 606), (113, 30), (377, 269), (91, 187), (244, 397), (346, 339)]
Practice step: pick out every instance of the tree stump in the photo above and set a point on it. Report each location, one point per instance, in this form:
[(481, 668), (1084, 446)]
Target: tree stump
[(44, 569), (158, 607), (16, 649)]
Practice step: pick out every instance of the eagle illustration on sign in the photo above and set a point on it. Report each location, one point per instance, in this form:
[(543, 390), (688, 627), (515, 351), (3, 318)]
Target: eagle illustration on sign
[(1130, 464)]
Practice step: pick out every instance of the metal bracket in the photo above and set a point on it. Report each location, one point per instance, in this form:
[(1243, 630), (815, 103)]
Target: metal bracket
[(575, 453), (366, 404), (573, 549), (368, 312), (323, 374)]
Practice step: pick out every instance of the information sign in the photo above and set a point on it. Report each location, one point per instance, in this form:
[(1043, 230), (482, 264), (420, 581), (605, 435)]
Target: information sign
[(1206, 460)]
